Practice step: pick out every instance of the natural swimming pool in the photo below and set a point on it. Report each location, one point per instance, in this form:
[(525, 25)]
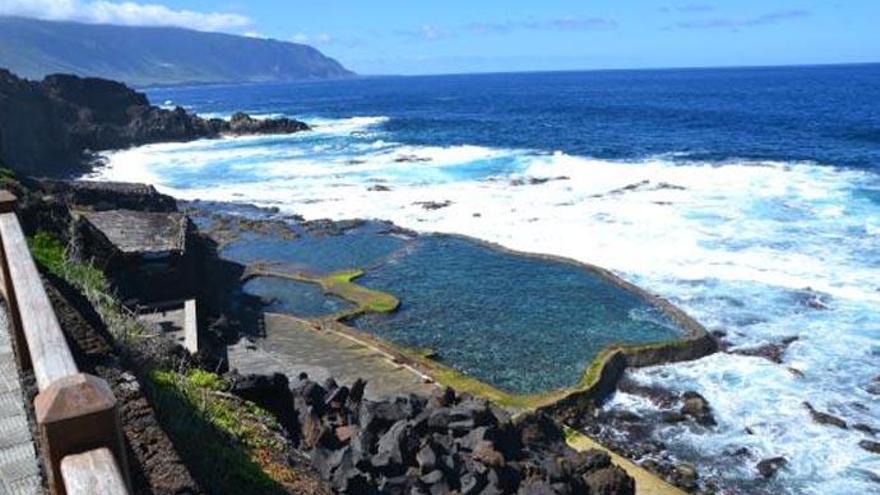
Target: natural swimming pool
[(520, 323)]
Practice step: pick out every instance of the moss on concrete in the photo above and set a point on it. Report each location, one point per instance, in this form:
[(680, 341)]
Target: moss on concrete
[(368, 300), (339, 284)]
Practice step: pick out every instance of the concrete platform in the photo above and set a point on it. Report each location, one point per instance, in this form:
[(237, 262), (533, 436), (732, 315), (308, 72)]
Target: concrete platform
[(19, 468), (291, 347)]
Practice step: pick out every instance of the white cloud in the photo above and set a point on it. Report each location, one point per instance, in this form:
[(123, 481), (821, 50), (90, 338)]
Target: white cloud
[(322, 38), (124, 13)]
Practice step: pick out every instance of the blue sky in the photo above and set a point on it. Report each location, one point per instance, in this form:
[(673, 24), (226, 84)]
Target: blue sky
[(419, 37)]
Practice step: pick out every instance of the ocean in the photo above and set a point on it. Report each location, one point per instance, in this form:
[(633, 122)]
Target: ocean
[(749, 197)]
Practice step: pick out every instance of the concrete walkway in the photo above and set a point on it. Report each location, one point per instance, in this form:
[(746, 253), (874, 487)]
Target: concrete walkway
[(19, 471), (291, 347)]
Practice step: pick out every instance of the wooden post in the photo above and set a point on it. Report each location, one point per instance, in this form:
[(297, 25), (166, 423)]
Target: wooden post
[(91, 473), (75, 414)]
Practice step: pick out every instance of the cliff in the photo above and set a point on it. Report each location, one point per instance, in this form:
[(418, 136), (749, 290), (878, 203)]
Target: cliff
[(144, 56), (52, 127)]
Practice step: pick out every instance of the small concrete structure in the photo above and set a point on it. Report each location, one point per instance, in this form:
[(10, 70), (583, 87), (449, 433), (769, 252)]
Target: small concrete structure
[(177, 320), (145, 254)]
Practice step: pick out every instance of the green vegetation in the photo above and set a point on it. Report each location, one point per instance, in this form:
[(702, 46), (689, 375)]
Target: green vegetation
[(235, 446), (8, 179), (49, 252)]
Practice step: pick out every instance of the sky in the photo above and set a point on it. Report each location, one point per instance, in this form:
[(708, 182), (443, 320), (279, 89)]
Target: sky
[(457, 36)]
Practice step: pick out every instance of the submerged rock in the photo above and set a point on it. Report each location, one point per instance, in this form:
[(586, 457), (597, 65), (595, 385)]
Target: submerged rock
[(870, 446), (870, 430), (824, 418), (773, 351), (534, 181), (769, 467), (697, 407), (873, 388), (433, 205)]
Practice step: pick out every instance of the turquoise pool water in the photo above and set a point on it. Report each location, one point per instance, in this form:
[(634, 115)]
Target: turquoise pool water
[(519, 323), (292, 297)]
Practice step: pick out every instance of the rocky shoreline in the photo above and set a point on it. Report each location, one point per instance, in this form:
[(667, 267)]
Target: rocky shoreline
[(55, 127)]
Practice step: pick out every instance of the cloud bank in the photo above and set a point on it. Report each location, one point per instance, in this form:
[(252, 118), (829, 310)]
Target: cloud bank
[(123, 13), (571, 23), (732, 23)]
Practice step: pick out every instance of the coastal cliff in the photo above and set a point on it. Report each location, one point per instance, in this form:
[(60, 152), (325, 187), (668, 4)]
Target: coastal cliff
[(146, 56), (53, 127)]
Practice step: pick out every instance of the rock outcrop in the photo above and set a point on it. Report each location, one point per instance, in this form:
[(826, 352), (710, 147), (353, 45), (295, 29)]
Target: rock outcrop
[(447, 443), (52, 127)]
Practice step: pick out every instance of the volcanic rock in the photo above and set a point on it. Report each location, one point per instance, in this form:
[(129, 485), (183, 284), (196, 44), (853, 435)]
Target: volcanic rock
[(824, 418), (697, 407), (769, 467)]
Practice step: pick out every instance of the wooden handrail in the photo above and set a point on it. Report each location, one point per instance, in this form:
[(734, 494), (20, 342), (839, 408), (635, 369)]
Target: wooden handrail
[(92, 472), (49, 355), (76, 413)]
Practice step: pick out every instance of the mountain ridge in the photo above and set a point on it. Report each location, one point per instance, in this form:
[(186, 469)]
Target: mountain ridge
[(154, 56)]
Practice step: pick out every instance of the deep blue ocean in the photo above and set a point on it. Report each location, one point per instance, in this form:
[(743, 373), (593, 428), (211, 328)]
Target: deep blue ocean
[(749, 197), (828, 114)]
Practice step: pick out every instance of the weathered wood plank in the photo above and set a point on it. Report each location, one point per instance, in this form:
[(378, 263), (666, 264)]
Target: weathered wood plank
[(92, 472), (50, 357)]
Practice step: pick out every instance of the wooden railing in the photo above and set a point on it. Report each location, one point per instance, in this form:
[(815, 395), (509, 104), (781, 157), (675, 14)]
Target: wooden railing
[(76, 413)]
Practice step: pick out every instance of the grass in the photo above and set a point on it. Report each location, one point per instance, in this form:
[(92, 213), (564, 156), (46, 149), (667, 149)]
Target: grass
[(49, 252), (236, 446), (8, 179)]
